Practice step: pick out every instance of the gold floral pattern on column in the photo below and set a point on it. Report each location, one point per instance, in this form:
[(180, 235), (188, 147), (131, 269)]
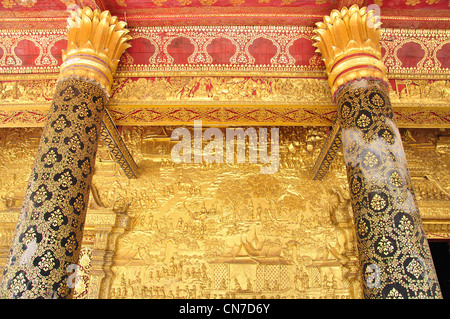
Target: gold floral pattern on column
[(49, 233), (389, 227), (393, 249), (48, 236)]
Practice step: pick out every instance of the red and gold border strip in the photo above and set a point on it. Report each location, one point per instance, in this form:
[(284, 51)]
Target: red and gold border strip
[(283, 63), (244, 115)]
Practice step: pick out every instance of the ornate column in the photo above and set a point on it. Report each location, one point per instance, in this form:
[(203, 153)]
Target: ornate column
[(393, 249), (48, 235)]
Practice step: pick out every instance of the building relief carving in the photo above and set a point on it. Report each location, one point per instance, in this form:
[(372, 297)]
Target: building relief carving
[(222, 230)]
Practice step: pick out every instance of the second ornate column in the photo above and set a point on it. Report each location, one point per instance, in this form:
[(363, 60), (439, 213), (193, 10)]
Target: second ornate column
[(393, 249), (47, 239)]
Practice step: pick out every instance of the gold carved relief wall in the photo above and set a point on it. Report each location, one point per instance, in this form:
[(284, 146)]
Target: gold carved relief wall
[(223, 230)]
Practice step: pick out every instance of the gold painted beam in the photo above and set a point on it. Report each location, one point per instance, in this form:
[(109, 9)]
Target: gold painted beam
[(200, 63)]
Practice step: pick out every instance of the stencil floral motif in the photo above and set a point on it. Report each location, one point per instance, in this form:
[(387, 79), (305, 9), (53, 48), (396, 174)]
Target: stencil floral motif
[(415, 268), (70, 243), (41, 195), (385, 247), (46, 262), (406, 226), (51, 157), (60, 123), (19, 284), (65, 179), (394, 294), (370, 160)]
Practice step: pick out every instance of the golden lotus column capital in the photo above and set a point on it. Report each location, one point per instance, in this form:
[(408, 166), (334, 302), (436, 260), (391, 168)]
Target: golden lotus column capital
[(349, 41), (96, 41)]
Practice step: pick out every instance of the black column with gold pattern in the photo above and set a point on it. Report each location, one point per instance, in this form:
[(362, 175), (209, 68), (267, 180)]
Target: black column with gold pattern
[(393, 249), (48, 236), (50, 229)]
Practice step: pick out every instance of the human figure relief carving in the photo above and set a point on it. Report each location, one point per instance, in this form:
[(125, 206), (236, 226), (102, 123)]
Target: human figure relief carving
[(222, 230)]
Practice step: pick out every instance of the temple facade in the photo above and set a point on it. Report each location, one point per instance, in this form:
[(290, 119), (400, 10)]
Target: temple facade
[(224, 149)]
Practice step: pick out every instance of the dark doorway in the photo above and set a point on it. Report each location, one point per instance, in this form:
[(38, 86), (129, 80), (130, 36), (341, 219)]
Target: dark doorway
[(440, 250)]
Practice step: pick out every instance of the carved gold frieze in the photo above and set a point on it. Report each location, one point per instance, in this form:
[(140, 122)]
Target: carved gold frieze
[(225, 89), (227, 100)]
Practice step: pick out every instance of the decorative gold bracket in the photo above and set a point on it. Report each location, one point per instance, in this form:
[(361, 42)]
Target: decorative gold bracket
[(116, 145), (328, 152)]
